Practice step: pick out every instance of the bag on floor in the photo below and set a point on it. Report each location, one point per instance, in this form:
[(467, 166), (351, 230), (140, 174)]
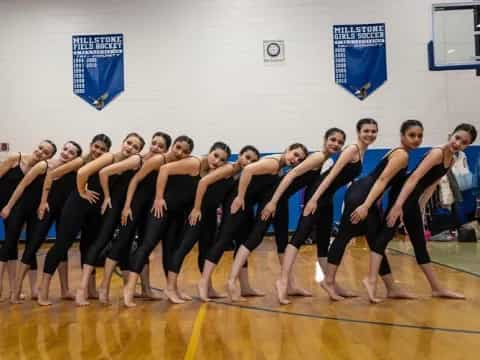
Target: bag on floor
[(475, 225), (466, 235), (441, 219), (443, 236)]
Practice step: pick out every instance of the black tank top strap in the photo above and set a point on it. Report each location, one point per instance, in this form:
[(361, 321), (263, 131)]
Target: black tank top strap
[(19, 158), (392, 151), (443, 156)]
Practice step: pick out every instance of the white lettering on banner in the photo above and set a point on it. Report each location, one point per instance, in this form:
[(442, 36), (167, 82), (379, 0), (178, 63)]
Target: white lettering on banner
[(86, 51), (359, 29), (353, 36)]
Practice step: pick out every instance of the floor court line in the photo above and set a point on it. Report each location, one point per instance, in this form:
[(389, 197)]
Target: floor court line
[(202, 311), (367, 322), (438, 263), (196, 332)]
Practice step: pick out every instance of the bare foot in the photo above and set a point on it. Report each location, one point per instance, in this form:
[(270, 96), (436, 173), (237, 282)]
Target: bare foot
[(16, 296), (203, 291), (214, 294), (184, 296), (9, 296), (232, 294), (128, 297), (251, 292), (230, 290), (15, 299), (447, 294), (103, 296), (81, 298), (43, 300), (138, 295), (344, 292), (151, 295), (34, 294), (398, 293), (281, 288), (371, 291), (173, 297), (330, 290), (298, 291), (67, 295)]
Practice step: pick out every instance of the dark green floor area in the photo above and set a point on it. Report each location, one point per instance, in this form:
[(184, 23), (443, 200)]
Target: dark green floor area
[(463, 256)]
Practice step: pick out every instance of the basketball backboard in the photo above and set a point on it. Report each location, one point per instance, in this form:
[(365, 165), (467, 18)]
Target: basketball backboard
[(455, 36)]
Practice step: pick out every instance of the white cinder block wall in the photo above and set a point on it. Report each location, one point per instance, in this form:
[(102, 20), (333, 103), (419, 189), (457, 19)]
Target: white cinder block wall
[(196, 67)]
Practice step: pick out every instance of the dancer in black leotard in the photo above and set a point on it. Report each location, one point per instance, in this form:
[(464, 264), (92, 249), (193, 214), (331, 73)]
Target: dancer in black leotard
[(12, 171), (346, 169), (82, 213), (29, 195), (139, 199), (15, 166), (415, 192), (176, 187), (211, 193), (57, 187), (256, 182), (299, 177), (362, 215), (117, 178), (114, 180), (19, 202)]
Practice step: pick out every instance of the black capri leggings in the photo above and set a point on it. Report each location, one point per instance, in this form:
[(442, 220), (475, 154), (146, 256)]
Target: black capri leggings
[(205, 232), (369, 227), (308, 181), (412, 219), (77, 214), (121, 246), (110, 221), (39, 235), (22, 213), (280, 223), (231, 225), (166, 228)]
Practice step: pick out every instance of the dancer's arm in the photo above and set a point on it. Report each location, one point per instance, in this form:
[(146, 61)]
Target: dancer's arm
[(433, 158), (34, 172), (397, 161), (189, 166), (223, 172), (314, 161), (261, 167)]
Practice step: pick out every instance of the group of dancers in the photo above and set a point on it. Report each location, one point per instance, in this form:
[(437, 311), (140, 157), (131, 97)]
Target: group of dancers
[(168, 195)]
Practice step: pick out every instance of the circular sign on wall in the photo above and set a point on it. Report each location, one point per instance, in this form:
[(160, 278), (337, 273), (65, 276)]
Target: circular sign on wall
[(273, 50)]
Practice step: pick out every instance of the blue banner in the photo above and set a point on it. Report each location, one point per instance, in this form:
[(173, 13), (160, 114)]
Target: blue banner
[(360, 58), (98, 68)]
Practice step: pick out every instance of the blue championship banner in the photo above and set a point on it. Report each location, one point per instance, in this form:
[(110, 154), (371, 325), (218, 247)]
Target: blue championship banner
[(98, 68), (360, 57)]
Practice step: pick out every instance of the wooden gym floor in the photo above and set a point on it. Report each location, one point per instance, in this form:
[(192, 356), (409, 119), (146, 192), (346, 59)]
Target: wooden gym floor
[(309, 328)]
